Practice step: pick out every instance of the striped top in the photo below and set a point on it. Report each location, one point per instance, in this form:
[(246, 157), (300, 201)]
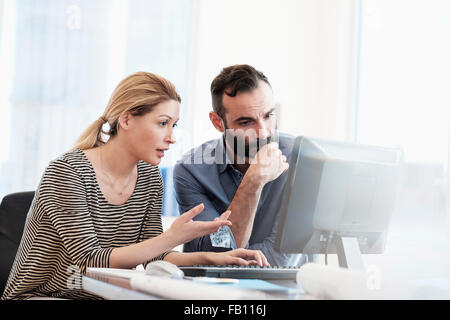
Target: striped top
[(71, 226)]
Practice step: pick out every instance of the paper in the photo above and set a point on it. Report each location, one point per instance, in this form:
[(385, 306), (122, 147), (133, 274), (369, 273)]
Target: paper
[(181, 289), (255, 284), (122, 273)]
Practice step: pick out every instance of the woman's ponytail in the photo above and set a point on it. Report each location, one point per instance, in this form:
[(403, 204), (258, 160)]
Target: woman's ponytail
[(92, 136)]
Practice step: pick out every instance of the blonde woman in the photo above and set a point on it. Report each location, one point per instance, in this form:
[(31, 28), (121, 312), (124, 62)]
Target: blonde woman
[(99, 205)]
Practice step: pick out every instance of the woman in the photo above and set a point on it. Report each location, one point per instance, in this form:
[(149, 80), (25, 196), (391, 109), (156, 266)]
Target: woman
[(99, 205)]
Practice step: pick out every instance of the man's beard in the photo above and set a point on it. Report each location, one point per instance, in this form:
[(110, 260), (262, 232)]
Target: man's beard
[(243, 150)]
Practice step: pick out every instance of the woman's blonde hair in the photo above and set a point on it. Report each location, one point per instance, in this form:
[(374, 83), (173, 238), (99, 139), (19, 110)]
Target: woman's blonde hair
[(137, 94)]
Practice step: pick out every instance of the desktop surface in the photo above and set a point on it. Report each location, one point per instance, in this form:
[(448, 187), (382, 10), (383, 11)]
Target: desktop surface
[(119, 288)]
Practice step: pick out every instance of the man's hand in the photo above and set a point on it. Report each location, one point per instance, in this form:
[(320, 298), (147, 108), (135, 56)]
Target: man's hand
[(267, 165)]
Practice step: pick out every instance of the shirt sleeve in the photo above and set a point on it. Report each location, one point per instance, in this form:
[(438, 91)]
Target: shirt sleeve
[(62, 198), (152, 224), (190, 193)]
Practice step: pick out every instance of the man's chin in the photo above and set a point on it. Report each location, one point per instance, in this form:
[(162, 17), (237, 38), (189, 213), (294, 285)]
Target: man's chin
[(244, 159)]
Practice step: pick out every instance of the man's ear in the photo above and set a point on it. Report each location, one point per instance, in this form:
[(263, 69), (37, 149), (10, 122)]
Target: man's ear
[(217, 121)]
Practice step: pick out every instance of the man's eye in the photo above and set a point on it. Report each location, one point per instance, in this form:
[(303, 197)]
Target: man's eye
[(270, 115), (244, 123), (175, 125)]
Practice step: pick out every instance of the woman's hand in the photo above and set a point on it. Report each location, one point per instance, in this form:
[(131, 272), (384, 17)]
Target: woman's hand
[(243, 257), (184, 229)]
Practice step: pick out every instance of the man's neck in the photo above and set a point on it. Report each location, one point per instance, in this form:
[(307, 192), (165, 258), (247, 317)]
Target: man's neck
[(242, 167), (240, 164)]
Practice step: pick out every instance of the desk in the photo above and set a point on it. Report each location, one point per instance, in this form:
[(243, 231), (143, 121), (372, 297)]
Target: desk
[(117, 288)]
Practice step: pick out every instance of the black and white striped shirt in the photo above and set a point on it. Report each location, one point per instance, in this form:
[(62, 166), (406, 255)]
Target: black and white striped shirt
[(71, 226)]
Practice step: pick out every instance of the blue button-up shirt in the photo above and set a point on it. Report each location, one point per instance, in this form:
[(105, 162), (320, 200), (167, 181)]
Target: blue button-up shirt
[(206, 175)]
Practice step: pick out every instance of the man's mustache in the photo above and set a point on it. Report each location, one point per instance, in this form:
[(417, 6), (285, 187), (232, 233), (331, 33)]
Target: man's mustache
[(248, 149)]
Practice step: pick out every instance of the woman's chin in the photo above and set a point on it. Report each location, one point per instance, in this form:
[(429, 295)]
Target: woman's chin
[(154, 161)]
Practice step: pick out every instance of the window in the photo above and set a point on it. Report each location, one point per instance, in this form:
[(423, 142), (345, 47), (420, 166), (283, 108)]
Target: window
[(403, 99), (62, 59)]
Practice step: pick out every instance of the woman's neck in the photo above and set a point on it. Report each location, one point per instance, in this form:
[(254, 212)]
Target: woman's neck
[(116, 160)]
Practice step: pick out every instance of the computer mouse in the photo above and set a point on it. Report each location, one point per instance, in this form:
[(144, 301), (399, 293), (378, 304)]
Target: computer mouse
[(162, 268)]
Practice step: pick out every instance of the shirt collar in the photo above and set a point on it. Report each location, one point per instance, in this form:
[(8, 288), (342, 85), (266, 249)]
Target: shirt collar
[(223, 154)]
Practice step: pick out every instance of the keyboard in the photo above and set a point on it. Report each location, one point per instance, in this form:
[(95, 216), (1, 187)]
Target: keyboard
[(242, 272)]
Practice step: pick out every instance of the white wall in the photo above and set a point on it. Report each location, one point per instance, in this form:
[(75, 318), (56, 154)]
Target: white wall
[(304, 48)]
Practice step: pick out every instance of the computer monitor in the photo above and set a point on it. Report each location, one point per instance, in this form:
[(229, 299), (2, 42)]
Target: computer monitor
[(338, 198)]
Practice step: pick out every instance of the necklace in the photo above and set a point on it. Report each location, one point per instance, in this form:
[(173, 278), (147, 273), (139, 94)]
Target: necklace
[(112, 182)]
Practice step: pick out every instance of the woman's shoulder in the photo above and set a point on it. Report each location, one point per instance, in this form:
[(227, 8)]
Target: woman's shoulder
[(70, 163), (65, 175)]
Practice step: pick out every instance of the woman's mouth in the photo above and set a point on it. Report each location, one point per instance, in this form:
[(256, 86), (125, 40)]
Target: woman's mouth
[(160, 152)]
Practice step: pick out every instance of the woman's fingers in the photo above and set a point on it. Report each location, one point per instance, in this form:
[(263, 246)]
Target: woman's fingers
[(255, 255), (225, 215), (265, 262), (207, 227), (189, 215), (238, 261)]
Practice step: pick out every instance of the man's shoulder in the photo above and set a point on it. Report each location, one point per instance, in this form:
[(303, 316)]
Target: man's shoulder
[(286, 143)]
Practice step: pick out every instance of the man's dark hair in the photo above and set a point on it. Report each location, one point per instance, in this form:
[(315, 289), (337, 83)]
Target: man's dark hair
[(233, 80)]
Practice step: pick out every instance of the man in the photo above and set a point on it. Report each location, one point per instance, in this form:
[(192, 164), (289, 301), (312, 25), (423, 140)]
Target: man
[(243, 171)]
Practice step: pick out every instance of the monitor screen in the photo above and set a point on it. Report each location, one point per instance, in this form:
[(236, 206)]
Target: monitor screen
[(337, 188)]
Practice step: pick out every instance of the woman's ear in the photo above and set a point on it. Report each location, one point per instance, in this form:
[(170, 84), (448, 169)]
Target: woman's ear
[(124, 121), (217, 121)]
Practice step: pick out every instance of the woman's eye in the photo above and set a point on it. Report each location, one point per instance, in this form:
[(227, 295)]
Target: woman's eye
[(163, 123), (174, 125)]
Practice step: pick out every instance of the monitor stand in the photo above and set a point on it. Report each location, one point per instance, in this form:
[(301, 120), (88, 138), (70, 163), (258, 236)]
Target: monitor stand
[(349, 254)]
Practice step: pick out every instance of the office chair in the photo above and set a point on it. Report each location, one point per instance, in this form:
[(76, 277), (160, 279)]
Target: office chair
[(13, 212)]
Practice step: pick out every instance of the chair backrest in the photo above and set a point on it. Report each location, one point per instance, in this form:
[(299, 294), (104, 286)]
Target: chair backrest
[(13, 212)]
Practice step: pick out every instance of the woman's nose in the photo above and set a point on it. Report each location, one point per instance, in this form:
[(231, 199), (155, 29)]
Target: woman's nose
[(171, 138)]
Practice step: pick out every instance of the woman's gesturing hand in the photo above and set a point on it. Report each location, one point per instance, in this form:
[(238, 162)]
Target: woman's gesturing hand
[(184, 229), (240, 256)]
